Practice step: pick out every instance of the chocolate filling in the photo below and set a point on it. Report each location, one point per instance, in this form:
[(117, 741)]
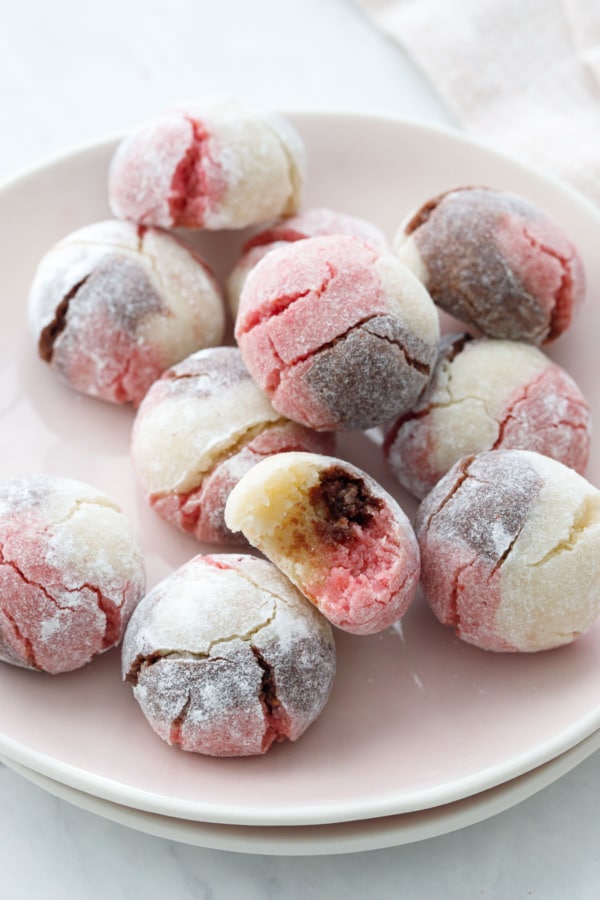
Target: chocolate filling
[(342, 501)]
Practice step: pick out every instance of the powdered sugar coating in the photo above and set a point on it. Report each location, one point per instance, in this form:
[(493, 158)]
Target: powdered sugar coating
[(71, 572), (338, 333), (337, 535), (112, 306), (510, 551), (199, 429), (495, 261), (307, 223), (226, 657), (488, 394), (209, 163)]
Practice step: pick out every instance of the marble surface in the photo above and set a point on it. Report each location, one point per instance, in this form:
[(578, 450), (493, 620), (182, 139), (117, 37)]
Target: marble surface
[(71, 73)]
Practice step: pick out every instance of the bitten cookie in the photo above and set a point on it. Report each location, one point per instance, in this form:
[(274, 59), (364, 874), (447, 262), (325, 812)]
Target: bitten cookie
[(211, 163), (495, 261), (488, 394), (112, 306), (308, 223), (71, 573), (338, 333), (201, 426), (510, 551), (225, 657), (336, 534)]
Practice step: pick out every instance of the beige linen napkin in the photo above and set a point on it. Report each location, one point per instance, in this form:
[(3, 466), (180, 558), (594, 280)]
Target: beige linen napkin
[(524, 75)]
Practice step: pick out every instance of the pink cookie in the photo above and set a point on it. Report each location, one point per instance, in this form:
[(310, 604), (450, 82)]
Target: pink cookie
[(487, 394), (71, 573), (112, 306), (199, 429), (496, 262), (211, 163), (510, 551), (226, 657), (310, 223), (337, 332), (337, 535)]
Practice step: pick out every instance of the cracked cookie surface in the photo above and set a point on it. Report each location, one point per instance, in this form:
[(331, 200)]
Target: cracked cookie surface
[(307, 223), (113, 305), (510, 551), (488, 394), (495, 261), (71, 573), (225, 657), (337, 332)]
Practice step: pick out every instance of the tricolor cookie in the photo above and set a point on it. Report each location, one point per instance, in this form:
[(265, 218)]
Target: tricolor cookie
[(335, 532), (201, 426), (487, 394), (225, 657), (113, 305), (211, 163), (71, 572), (337, 332), (510, 551), (495, 261)]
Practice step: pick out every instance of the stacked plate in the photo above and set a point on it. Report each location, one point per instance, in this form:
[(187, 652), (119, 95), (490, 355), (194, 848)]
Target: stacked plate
[(422, 734)]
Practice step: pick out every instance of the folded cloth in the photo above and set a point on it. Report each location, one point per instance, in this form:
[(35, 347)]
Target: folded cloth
[(524, 77)]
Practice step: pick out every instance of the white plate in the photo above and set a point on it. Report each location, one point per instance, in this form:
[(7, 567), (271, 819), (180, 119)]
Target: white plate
[(322, 840), (416, 719)]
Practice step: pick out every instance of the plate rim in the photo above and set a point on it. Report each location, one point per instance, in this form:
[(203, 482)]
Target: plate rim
[(331, 838)]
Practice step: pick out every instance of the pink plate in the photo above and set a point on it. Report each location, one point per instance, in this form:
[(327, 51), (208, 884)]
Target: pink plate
[(416, 719)]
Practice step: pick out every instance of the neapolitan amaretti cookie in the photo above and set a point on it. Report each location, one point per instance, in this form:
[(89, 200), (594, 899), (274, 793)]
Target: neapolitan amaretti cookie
[(307, 223), (226, 657), (335, 532), (488, 394), (211, 163), (71, 572), (113, 305), (495, 261), (337, 332), (199, 428), (510, 551)]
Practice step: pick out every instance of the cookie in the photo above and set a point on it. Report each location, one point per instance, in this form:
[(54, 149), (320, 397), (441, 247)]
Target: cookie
[(112, 306), (496, 262), (211, 163), (335, 532), (339, 334), (510, 551), (71, 572), (488, 394), (225, 657)]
